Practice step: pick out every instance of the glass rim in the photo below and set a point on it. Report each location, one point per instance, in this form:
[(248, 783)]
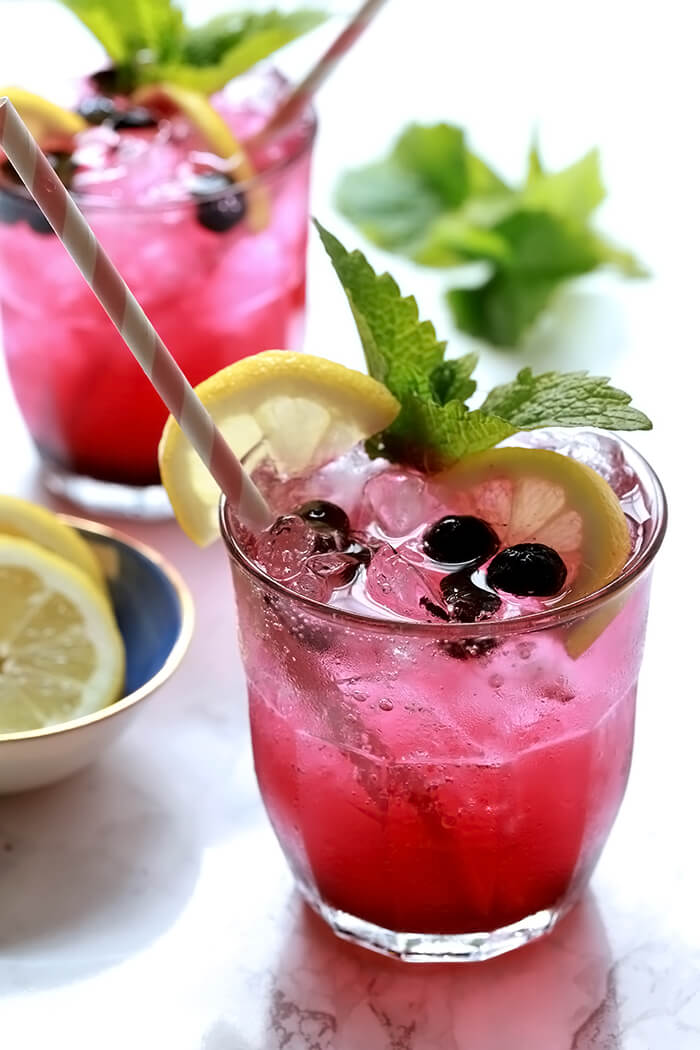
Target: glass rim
[(308, 120), (633, 569)]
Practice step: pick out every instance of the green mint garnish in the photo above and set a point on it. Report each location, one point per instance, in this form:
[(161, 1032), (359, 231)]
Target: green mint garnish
[(435, 428), (435, 200), (149, 42)]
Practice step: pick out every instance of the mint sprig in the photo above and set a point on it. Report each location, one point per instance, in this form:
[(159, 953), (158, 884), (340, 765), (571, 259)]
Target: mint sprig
[(435, 427), (149, 42), (436, 201)]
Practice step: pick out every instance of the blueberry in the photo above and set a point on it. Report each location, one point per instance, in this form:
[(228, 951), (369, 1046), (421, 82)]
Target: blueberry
[(321, 511), (8, 172), (219, 207), (460, 540), (331, 523), (527, 570), (38, 222), (106, 80), (9, 211), (15, 207), (360, 551), (136, 117), (96, 109), (468, 648), (327, 540), (435, 610), (467, 602)]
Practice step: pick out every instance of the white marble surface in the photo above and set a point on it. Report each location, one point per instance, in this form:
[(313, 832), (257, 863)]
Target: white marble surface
[(144, 903)]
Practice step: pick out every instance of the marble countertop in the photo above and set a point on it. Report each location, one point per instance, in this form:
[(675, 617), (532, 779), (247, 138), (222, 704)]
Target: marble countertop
[(144, 902)]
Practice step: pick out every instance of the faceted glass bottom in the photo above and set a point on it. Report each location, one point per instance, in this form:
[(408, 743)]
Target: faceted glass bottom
[(148, 502), (431, 948)]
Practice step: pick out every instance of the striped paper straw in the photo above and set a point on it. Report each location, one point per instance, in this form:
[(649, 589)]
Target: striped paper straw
[(303, 92), (129, 319)]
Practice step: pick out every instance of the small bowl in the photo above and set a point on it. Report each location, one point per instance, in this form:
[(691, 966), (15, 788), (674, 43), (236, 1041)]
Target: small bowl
[(155, 614)]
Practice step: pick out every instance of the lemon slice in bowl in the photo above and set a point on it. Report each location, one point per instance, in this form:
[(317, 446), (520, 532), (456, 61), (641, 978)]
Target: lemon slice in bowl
[(197, 108), (44, 119), (31, 522), (538, 496), (298, 409), (61, 654)]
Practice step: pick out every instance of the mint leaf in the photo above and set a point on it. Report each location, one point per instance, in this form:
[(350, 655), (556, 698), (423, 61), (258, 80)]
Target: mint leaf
[(401, 350), (574, 192), (228, 45), (395, 201), (127, 27), (439, 203), (432, 437), (535, 167), (569, 399), (533, 252), (436, 154), (482, 181), (148, 41), (435, 428), (452, 380), (392, 207), (502, 310)]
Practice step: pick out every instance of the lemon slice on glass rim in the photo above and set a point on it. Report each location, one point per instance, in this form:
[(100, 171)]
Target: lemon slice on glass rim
[(44, 119), (61, 654), (298, 409), (539, 496)]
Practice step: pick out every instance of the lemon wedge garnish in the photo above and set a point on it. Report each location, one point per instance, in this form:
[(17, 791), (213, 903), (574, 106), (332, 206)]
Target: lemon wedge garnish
[(61, 654), (31, 522), (197, 108), (298, 409), (538, 496), (44, 119)]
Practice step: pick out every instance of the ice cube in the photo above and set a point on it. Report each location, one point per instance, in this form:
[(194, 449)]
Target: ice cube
[(402, 588), (284, 549), (311, 585), (335, 567), (398, 500), (604, 455), (599, 451)]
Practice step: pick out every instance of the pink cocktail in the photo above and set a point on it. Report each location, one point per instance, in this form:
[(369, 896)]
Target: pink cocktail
[(441, 790), (216, 281)]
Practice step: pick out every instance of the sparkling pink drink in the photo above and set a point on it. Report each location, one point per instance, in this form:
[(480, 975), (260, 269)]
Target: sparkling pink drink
[(216, 285), (441, 790)]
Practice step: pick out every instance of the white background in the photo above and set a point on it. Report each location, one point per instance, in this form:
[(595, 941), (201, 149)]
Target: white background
[(145, 903)]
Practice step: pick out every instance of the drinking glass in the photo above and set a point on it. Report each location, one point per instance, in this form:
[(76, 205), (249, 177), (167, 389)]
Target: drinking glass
[(443, 791), (214, 296)]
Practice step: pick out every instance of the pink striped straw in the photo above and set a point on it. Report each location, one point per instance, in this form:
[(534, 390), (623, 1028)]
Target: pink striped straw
[(303, 92), (129, 319)]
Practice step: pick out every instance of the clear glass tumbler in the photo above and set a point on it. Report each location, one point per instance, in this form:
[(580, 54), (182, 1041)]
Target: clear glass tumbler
[(214, 296), (443, 791)]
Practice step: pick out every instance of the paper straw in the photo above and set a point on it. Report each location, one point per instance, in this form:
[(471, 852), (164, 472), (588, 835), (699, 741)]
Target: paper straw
[(129, 319), (302, 94)]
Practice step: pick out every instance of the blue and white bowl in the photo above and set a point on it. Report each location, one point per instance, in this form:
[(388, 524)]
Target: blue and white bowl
[(155, 614)]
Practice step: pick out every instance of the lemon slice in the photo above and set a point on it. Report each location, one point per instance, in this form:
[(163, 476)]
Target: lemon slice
[(61, 654), (44, 119), (218, 136), (297, 409), (31, 522), (538, 496)]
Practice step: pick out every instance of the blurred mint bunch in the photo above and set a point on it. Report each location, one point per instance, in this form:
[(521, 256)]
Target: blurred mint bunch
[(149, 42), (436, 201)]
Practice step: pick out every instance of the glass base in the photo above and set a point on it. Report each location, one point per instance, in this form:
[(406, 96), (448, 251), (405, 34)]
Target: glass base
[(147, 502), (431, 948)]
